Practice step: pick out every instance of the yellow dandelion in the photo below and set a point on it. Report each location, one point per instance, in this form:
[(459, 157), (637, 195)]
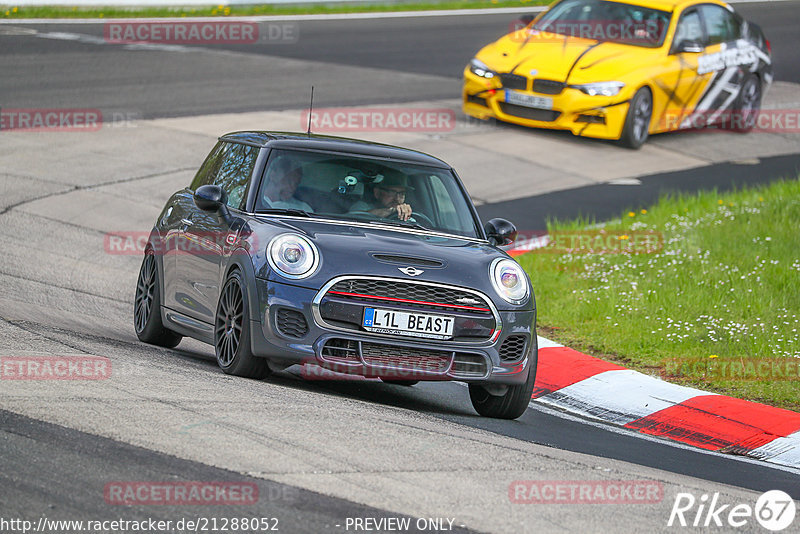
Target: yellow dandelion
[(720, 202), (631, 214), (730, 204), (213, 11), (100, 15), (761, 199), (227, 11), (220, 7), (713, 356), (623, 237), (15, 9), (8, 13), (644, 211)]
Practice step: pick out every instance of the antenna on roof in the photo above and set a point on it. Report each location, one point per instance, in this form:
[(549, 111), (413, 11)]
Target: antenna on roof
[(310, 110)]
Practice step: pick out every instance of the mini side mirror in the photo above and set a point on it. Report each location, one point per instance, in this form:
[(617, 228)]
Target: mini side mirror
[(210, 198), (500, 232)]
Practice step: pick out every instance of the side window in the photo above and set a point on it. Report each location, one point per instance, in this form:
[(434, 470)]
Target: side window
[(721, 25), (205, 175), (690, 28), (234, 172)]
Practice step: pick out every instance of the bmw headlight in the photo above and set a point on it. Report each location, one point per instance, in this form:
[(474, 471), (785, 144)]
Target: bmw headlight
[(479, 68), (509, 280), (292, 256), (600, 88)]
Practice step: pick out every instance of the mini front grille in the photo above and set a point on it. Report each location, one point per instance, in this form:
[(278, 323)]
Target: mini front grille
[(430, 361), (477, 100), (534, 114), (409, 360), (547, 87), (413, 294), (291, 323), (514, 81), (513, 348), (466, 365)]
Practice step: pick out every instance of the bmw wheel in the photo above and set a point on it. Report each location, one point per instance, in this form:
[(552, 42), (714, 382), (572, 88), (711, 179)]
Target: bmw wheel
[(637, 122), (747, 105), (147, 307), (232, 332)]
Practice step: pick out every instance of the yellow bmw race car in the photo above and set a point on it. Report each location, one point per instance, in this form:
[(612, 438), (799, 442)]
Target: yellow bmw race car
[(624, 69)]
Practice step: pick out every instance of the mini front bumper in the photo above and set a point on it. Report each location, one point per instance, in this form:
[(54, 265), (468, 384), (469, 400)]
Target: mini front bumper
[(582, 114), (371, 355)]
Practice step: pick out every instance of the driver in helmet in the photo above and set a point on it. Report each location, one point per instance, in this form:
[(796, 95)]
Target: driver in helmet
[(389, 198)]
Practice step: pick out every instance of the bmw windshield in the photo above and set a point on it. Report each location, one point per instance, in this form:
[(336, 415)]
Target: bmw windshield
[(360, 188), (604, 21)]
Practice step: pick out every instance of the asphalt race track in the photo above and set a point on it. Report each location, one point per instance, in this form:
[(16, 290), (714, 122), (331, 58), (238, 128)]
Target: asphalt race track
[(319, 452)]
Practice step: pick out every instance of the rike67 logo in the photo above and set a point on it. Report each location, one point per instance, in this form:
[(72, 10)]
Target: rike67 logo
[(774, 510)]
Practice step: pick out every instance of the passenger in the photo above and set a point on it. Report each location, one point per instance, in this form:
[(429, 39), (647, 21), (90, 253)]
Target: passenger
[(389, 198), (279, 191)]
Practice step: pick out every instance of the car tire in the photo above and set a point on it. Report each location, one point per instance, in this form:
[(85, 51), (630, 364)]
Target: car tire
[(232, 332), (147, 307), (746, 106), (637, 123), (408, 383), (514, 402)]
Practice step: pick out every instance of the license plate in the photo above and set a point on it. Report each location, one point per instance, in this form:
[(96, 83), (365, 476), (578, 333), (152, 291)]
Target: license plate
[(529, 101), (408, 324)]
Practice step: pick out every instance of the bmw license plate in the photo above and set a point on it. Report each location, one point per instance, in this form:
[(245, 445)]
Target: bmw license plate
[(424, 325), (529, 101)]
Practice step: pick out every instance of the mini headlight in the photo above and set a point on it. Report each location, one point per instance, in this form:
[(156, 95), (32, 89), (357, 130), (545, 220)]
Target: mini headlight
[(600, 88), (292, 256), (509, 280), (479, 68)]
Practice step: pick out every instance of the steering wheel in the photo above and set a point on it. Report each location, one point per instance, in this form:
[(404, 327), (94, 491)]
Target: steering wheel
[(416, 217)]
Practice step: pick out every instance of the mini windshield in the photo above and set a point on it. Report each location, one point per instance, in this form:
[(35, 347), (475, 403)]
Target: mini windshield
[(360, 188), (606, 21)]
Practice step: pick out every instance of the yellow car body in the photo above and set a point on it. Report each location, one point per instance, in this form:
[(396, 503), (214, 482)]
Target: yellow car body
[(695, 72)]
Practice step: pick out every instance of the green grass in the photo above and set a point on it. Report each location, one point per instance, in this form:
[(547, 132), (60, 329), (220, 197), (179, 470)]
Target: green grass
[(17, 12), (724, 289)]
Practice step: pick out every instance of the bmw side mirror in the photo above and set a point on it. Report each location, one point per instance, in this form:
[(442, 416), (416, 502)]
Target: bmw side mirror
[(500, 232), (526, 19), (213, 199), (687, 45)]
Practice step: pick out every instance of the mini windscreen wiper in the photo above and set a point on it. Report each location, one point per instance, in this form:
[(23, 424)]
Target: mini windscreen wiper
[(405, 224), (285, 211)]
